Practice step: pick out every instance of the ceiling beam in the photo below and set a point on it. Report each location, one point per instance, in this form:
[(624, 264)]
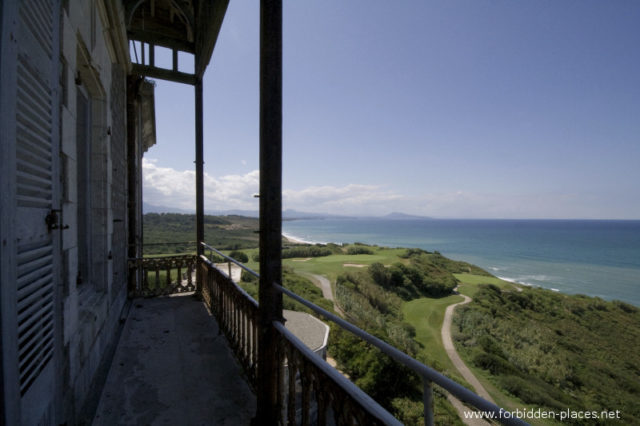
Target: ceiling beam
[(163, 74), (159, 39)]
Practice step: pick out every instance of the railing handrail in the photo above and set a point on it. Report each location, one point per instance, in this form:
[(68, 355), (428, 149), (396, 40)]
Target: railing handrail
[(165, 243), (427, 373), (232, 260), (161, 256), (240, 289)]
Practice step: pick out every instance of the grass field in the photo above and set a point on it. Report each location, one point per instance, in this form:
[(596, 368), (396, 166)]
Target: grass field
[(332, 266), (469, 283), (426, 316)]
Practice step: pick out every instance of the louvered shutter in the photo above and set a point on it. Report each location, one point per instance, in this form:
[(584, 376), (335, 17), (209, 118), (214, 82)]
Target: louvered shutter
[(36, 182)]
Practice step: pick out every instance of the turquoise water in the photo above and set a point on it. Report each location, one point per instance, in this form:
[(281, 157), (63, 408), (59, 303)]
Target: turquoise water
[(597, 258)]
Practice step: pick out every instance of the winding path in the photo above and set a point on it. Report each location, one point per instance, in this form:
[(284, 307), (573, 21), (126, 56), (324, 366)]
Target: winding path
[(325, 285), (447, 342)]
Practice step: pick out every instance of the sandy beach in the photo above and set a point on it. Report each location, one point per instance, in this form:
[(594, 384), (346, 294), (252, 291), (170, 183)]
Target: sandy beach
[(294, 240)]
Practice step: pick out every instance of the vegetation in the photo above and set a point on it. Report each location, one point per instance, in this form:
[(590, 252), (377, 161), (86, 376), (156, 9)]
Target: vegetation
[(239, 256), (426, 315), (555, 351), (375, 299), (162, 230), (306, 251), (294, 282), (359, 250)]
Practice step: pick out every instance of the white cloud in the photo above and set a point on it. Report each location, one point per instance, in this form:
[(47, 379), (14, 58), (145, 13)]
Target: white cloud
[(348, 199), (164, 186)]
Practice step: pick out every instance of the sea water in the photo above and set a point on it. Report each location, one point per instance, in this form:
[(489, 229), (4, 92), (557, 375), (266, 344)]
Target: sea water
[(596, 258)]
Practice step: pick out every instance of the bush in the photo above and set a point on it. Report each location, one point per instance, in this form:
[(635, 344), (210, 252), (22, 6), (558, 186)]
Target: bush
[(240, 256), (412, 252), (359, 250), (494, 364), (306, 251), (248, 277)]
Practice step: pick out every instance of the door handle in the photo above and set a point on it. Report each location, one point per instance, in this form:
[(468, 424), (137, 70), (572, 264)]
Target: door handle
[(52, 221)]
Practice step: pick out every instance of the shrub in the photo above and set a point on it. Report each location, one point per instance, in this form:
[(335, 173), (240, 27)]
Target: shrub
[(240, 256), (306, 251), (359, 250), (494, 364), (248, 277)]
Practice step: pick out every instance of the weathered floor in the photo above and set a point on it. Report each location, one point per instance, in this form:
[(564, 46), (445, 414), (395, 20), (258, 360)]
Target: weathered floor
[(172, 367)]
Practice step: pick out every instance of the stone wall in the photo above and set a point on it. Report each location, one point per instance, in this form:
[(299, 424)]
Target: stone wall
[(92, 302), (119, 177)]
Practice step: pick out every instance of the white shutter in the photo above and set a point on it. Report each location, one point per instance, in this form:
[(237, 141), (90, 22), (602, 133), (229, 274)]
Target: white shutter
[(37, 248), (34, 189)]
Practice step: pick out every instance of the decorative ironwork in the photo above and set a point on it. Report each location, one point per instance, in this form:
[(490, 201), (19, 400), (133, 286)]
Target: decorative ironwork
[(161, 276)]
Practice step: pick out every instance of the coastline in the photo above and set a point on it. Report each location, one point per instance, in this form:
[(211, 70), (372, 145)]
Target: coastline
[(295, 240), (567, 256)]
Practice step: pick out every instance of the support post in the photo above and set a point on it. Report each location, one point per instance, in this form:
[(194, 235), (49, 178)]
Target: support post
[(268, 410), (199, 179), (134, 183), (427, 400)]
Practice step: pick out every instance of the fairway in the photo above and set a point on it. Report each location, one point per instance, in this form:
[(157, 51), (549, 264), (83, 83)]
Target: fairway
[(426, 316), (469, 283), (332, 266)]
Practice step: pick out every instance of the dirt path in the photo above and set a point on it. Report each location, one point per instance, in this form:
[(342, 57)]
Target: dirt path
[(447, 342), (325, 285)]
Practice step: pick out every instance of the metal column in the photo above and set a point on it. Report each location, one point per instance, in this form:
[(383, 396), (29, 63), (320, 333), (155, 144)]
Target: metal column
[(199, 169), (270, 208), (199, 179)]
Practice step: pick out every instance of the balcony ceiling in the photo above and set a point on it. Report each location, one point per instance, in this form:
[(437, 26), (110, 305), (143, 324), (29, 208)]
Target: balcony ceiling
[(190, 26)]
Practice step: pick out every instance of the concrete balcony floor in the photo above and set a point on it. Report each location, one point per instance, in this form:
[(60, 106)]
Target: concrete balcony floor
[(172, 367)]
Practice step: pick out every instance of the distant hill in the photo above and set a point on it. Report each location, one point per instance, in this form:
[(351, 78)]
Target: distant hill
[(169, 232), (288, 214), (403, 216), (150, 208)]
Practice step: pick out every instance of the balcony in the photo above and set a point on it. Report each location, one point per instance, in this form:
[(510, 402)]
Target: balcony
[(189, 353), (172, 366)]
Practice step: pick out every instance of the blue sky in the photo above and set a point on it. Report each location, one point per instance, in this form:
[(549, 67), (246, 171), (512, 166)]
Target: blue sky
[(464, 109)]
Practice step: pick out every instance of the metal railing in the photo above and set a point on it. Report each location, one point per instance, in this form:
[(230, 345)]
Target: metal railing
[(313, 377)]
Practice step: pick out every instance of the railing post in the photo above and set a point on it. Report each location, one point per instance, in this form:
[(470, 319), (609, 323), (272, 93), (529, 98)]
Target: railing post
[(270, 300), (427, 400)]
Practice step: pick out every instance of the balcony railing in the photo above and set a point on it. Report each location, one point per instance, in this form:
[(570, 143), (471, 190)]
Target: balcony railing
[(236, 313), (310, 391), (161, 275)]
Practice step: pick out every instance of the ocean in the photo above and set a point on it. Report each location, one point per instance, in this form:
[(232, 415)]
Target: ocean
[(592, 257)]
